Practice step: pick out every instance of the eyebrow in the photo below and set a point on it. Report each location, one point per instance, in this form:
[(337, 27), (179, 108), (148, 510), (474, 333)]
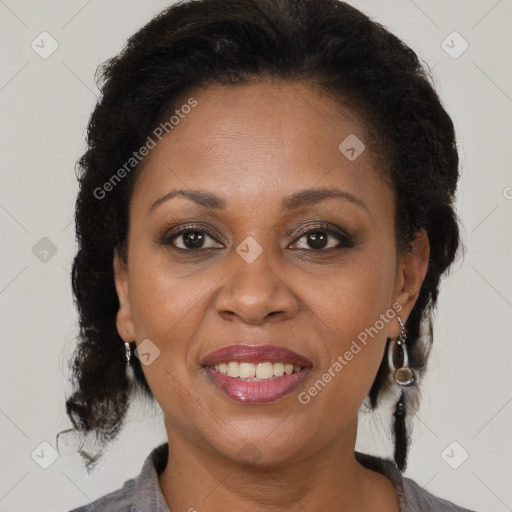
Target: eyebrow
[(294, 201)]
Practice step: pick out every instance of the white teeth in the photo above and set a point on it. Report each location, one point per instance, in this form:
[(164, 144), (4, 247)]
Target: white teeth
[(248, 371), (233, 369), (278, 369), (264, 370), (258, 371)]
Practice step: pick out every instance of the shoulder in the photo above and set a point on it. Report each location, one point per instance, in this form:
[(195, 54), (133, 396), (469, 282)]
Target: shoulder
[(117, 501), (419, 498), (411, 496), (142, 493)]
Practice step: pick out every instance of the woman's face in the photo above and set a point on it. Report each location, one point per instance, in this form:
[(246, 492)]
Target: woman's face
[(249, 273)]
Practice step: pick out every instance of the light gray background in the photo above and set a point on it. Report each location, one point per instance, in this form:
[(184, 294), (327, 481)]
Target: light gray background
[(46, 103)]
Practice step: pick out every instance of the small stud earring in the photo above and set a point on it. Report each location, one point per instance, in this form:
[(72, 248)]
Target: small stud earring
[(128, 354)]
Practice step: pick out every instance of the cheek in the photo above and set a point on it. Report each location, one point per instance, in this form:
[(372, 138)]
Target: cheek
[(162, 297), (353, 312), (166, 310), (353, 298)]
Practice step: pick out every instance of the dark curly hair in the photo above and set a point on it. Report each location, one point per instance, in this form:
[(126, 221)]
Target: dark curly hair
[(191, 44)]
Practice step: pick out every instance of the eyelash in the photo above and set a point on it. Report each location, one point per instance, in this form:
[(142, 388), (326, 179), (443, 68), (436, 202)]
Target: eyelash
[(345, 240)]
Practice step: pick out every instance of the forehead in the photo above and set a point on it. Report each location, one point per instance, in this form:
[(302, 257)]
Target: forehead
[(261, 141)]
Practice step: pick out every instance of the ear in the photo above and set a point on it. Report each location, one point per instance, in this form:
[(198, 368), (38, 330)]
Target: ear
[(124, 321), (411, 273)]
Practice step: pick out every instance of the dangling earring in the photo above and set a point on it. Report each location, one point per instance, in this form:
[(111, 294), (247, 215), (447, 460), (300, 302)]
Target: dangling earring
[(403, 376), (129, 369)]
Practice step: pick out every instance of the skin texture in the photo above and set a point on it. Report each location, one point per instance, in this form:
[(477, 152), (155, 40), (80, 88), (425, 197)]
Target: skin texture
[(254, 145)]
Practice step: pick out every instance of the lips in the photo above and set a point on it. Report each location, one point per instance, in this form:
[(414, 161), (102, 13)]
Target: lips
[(256, 390)]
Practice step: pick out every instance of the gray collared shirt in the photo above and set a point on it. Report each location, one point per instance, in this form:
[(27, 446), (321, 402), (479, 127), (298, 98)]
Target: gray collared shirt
[(143, 493)]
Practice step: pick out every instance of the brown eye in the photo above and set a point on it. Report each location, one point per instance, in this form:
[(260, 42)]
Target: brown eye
[(189, 239), (317, 239), (325, 238), (192, 239)]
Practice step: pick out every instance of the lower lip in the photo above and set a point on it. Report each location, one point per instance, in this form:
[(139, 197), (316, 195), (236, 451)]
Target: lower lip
[(256, 392)]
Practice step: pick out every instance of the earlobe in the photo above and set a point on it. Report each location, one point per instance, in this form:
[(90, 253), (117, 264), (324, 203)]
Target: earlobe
[(412, 272), (124, 322)]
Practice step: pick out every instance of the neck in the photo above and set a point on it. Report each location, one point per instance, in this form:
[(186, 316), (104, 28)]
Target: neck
[(199, 478)]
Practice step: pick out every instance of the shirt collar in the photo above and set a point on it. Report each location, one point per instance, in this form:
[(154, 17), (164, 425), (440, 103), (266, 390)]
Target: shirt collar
[(148, 494), (387, 468)]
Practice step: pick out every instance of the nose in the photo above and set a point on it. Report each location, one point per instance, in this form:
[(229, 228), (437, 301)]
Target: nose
[(255, 293)]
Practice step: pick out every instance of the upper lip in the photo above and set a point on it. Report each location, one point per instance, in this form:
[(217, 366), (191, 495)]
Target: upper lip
[(250, 353)]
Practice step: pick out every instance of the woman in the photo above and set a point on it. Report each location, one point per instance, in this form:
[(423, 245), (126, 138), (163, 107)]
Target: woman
[(264, 216)]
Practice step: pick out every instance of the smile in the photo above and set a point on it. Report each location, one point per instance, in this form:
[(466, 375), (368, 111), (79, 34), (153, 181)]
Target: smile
[(255, 373)]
